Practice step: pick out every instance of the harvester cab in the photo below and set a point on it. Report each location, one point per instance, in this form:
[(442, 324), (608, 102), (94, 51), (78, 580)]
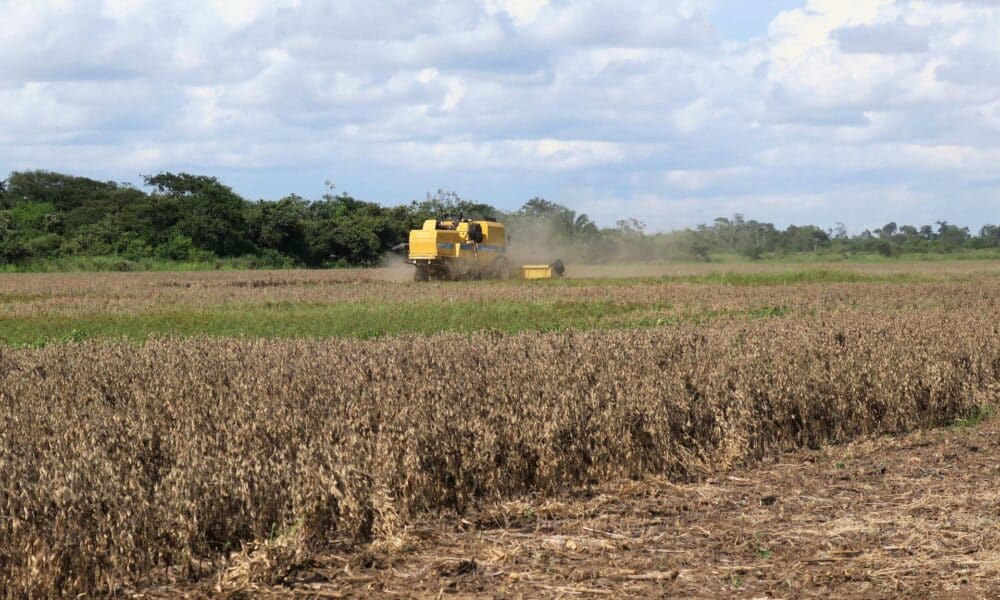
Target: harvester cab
[(457, 248)]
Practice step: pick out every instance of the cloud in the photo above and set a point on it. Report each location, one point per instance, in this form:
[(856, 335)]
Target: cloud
[(890, 38), (547, 154), (699, 179), (638, 105), (522, 12)]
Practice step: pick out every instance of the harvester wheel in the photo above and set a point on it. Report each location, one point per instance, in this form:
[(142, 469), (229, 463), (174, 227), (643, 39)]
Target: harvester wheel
[(422, 273)]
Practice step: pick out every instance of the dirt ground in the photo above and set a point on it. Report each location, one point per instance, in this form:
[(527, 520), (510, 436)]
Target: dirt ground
[(916, 516)]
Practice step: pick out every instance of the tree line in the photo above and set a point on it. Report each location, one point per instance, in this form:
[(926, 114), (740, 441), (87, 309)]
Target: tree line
[(47, 216)]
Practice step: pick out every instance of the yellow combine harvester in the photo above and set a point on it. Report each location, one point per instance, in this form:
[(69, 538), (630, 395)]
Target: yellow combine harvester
[(467, 249)]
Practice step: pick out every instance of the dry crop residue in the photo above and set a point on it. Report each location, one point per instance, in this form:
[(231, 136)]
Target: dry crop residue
[(123, 466), (906, 517), (148, 293)]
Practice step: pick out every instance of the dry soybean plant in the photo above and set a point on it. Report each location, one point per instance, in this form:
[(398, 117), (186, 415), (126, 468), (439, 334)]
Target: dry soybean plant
[(33, 295), (125, 463)]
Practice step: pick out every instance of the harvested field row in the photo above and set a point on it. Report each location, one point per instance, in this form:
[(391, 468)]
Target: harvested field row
[(52, 283), (72, 294), (888, 517), (134, 464)]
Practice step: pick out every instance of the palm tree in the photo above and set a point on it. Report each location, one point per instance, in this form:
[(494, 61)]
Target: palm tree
[(574, 226)]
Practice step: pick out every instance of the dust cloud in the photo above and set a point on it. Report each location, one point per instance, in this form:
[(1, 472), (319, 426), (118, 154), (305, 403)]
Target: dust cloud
[(608, 254), (395, 268)]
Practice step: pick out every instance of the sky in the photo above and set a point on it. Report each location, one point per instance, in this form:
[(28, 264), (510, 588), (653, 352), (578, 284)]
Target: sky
[(670, 111)]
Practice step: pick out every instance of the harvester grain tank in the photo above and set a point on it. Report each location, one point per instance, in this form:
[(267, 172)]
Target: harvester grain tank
[(467, 249)]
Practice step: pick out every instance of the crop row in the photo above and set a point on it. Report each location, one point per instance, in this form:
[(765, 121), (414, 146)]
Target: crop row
[(127, 463)]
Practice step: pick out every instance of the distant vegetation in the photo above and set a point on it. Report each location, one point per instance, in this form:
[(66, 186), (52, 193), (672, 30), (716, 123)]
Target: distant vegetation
[(52, 221)]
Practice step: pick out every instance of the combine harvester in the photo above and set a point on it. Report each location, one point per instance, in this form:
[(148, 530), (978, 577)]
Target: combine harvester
[(452, 249)]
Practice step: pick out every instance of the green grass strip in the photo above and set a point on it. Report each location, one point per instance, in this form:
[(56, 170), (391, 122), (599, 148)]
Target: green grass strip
[(288, 320), (359, 320)]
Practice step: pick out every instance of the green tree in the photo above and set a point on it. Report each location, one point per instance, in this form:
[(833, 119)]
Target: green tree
[(539, 208), (951, 236), (64, 192), (562, 221), (95, 239), (344, 230), (12, 245), (575, 227), (631, 227), (807, 238), (280, 225), (449, 204), (179, 248), (209, 213), (990, 235)]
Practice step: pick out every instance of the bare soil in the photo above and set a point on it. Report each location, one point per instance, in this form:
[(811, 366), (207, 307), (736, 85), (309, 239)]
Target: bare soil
[(915, 516)]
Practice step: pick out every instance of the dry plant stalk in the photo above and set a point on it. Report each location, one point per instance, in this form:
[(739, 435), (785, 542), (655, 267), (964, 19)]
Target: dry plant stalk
[(962, 284), (118, 461)]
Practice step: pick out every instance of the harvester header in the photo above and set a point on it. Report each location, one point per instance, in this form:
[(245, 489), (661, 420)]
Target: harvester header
[(467, 249)]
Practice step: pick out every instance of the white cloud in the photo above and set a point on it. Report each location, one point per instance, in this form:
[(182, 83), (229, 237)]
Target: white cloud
[(122, 10), (523, 12), (796, 33), (525, 154), (633, 102), (699, 179)]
